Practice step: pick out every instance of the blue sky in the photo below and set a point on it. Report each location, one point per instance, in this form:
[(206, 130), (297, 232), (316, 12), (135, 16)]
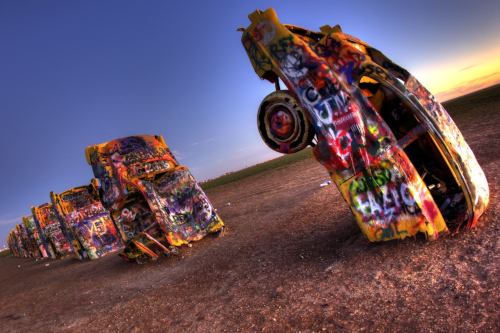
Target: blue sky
[(75, 73)]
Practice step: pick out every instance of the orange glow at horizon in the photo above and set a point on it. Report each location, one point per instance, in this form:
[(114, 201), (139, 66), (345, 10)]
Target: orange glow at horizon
[(450, 79)]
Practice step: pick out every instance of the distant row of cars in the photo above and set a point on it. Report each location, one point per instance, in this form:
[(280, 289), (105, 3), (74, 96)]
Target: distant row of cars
[(146, 204)]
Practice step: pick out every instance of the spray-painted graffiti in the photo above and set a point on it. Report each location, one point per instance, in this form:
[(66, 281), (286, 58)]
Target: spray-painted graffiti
[(10, 242), (88, 224), (382, 137), (134, 217), (18, 244), (14, 248), (152, 199), (460, 150), (25, 243), (180, 200), (35, 240), (53, 238), (347, 140), (77, 199), (381, 199), (22, 251), (260, 60), (388, 199), (98, 235)]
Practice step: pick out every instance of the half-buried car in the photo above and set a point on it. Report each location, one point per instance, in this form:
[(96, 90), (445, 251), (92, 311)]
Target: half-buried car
[(156, 203), (87, 225), (396, 155)]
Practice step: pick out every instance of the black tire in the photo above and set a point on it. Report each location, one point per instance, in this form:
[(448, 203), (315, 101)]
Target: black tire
[(283, 124)]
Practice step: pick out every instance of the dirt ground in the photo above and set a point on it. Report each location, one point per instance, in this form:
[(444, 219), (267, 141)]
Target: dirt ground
[(292, 260)]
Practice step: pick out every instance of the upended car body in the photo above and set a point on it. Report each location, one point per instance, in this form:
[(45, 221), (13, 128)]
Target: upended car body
[(153, 200), (50, 231), (87, 225), (37, 245), (11, 244), (17, 246), (25, 243), (397, 157)]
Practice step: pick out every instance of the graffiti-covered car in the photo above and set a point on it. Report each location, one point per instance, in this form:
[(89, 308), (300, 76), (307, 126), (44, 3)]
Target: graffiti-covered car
[(50, 231), (10, 243), (85, 222), (19, 242), (156, 203), (25, 243), (17, 245), (395, 154), (37, 245)]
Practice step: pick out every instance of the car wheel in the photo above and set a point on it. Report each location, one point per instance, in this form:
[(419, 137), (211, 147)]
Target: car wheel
[(283, 124)]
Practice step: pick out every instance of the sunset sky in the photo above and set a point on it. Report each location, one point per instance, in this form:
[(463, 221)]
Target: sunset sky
[(450, 79), (76, 73)]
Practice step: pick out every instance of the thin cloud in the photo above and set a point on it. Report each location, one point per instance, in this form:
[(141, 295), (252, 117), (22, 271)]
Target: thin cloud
[(484, 77), (249, 149), (468, 87), (178, 155), (468, 67), (197, 143), (13, 221)]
